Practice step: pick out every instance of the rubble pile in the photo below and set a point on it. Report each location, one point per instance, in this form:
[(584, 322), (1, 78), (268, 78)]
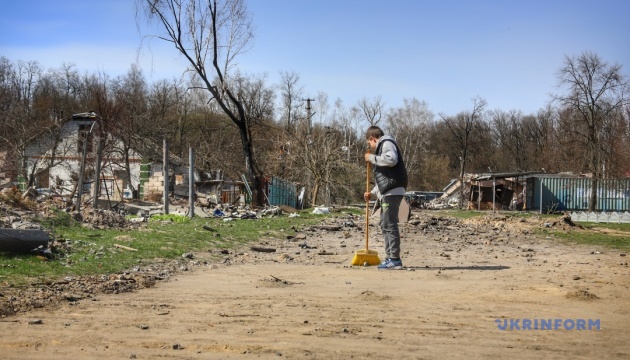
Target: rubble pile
[(99, 219), (87, 288)]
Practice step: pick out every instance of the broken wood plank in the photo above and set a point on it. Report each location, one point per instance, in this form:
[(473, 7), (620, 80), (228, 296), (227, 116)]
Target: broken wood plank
[(125, 247)]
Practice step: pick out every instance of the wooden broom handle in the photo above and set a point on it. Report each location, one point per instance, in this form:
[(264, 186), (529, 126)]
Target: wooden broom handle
[(367, 206)]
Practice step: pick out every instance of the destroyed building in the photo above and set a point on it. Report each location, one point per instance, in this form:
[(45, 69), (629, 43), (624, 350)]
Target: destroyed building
[(52, 160), (536, 191)]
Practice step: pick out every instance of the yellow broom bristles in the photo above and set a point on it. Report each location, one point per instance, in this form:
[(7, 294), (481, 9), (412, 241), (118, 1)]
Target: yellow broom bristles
[(365, 258)]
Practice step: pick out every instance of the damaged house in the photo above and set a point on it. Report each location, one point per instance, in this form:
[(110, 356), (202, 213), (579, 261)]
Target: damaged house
[(52, 160), (489, 191)]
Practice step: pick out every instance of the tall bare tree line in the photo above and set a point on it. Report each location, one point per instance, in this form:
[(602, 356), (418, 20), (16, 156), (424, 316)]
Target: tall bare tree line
[(586, 129)]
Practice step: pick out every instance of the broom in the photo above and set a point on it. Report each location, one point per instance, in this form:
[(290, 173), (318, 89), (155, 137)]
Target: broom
[(366, 256)]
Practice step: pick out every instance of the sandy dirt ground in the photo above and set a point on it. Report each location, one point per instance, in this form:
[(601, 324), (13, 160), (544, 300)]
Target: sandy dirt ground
[(463, 280)]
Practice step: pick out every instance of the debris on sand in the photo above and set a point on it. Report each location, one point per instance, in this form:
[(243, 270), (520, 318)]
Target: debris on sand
[(583, 295)]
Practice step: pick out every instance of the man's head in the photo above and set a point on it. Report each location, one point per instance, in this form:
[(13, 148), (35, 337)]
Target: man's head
[(372, 135)]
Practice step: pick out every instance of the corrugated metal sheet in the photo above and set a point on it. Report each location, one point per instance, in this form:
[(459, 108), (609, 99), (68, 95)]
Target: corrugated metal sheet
[(574, 194)]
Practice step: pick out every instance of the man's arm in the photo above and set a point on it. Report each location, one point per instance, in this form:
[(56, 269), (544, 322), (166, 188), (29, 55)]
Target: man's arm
[(388, 157)]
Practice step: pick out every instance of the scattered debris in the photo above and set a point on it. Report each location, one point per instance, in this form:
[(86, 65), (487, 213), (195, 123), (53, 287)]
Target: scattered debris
[(206, 227), (584, 295), (286, 282), (324, 252), (321, 211), (328, 227), (288, 209)]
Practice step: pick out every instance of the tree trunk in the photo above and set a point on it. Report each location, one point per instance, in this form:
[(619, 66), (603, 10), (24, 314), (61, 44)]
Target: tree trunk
[(592, 205), (314, 194), (250, 164)]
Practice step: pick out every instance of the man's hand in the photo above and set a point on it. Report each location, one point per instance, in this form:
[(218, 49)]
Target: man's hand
[(367, 196), (367, 156)]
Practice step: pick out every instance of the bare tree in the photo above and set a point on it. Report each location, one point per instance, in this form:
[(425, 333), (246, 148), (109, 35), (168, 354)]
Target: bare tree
[(130, 121), (507, 130), (408, 124), (596, 92), (462, 126), (371, 110), (291, 97), (349, 124), (210, 34), (19, 117)]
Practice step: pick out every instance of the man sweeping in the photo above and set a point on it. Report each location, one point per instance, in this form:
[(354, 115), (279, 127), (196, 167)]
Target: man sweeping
[(391, 181)]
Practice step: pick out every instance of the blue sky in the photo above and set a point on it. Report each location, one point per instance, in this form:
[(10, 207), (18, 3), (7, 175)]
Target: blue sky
[(443, 52)]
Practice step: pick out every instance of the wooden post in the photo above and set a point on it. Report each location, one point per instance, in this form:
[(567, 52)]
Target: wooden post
[(191, 181), (97, 177), (166, 177), (82, 169)]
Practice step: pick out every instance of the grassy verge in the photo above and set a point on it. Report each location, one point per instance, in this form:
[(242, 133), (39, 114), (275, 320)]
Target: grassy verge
[(82, 251), (615, 236)]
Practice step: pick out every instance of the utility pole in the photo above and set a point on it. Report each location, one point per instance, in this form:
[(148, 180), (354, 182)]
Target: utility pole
[(309, 115)]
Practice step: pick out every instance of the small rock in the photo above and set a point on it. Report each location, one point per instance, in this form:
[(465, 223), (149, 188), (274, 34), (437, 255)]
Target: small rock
[(576, 277), (35, 322)]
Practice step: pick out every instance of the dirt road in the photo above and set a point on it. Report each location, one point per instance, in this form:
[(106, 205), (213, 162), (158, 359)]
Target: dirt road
[(463, 282)]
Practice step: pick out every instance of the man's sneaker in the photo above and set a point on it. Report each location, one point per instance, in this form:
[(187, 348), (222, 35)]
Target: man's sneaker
[(389, 264)]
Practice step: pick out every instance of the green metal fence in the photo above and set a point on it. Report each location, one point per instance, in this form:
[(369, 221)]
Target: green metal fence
[(565, 193), (281, 192)]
